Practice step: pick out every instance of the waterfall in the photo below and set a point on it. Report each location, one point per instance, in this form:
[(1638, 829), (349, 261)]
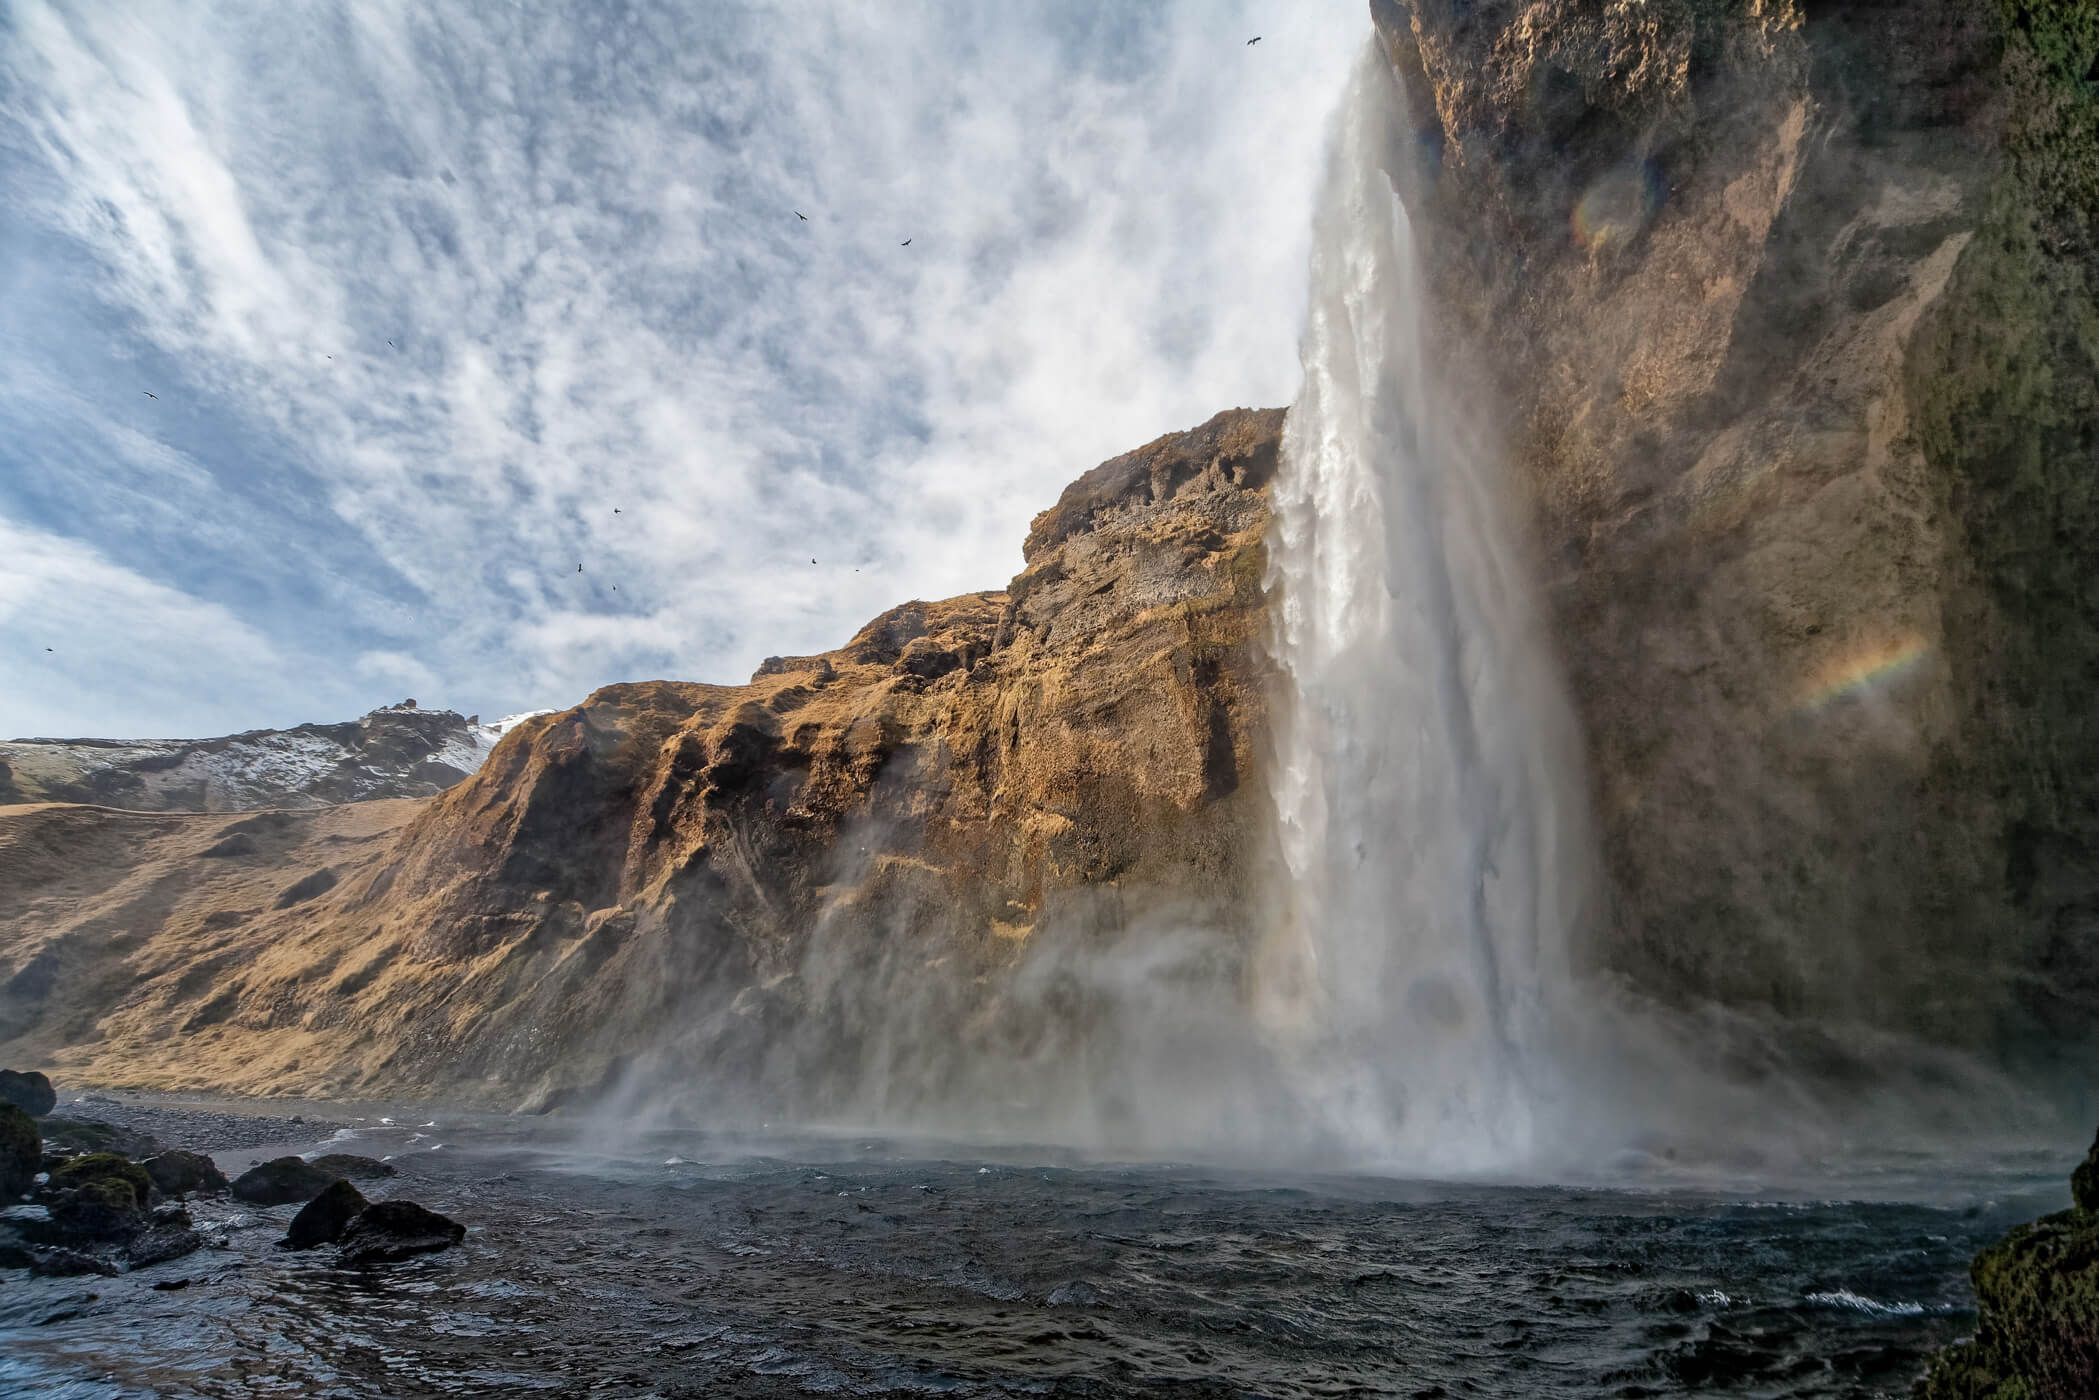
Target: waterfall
[(1427, 789)]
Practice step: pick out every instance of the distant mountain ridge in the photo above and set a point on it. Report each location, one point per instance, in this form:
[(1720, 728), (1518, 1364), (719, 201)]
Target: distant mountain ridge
[(395, 751)]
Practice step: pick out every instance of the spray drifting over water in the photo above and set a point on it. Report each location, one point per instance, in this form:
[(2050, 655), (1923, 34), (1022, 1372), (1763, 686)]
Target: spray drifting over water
[(1427, 789)]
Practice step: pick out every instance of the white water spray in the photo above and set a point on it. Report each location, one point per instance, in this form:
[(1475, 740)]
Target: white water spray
[(1428, 785)]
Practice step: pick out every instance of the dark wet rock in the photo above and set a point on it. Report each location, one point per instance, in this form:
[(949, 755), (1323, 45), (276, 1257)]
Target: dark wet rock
[(75, 1135), (103, 1208), (177, 1173), (160, 1242), (20, 1227), (2084, 1182), (394, 1230), (27, 1090), (323, 1219), (2037, 1294), (21, 1152), (352, 1166), (282, 1181), (58, 1261), (76, 1172), (172, 1285)]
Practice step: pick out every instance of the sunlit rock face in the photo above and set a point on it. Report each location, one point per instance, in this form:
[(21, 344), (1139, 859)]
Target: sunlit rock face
[(748, 884), (1786, 307)]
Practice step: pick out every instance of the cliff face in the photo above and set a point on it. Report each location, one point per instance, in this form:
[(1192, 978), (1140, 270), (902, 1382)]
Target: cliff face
[(399, 751), (697, 867), (1787, 313), (1792, 305)]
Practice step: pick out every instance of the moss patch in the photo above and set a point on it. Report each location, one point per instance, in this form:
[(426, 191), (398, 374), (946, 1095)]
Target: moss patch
[(2004, 387), (2039, 1333)]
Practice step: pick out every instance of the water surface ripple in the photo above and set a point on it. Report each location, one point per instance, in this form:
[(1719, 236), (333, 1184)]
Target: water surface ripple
[(683, 1267)]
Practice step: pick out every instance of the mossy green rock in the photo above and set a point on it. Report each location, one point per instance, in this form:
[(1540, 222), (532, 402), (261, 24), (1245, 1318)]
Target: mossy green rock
[(2084, 1182), (100, 1208), (2038, 1338), (21, 1152), (105, 1166)]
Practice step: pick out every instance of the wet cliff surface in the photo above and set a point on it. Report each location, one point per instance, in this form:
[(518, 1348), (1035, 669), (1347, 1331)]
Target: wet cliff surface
[(1791, 304)]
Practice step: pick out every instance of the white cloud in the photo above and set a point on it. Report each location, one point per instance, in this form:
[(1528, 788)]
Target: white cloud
[(116, 642), (576, 228)]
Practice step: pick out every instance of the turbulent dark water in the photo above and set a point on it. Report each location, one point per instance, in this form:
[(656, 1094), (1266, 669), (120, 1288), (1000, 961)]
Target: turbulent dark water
[(682, 1267)]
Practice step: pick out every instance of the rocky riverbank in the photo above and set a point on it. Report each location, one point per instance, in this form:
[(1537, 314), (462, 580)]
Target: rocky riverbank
[(111, 1187)]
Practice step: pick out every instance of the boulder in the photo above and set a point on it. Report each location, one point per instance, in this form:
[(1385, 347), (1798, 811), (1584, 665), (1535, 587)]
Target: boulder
[(281, 1181), (103, 1208), (177, 1173), (21, 1152), (394, 1230), (355, 1167), (60, 1262), (2084, 1182), (2037, 1299), (28, 1090), (161, 1241), (323, 1219), (76, 1172)]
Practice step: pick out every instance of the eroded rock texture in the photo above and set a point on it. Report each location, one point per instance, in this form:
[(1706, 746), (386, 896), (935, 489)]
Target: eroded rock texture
[(698, 868), (1792, 301)]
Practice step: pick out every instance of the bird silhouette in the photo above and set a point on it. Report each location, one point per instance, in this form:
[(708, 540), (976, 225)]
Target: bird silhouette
[(800, 215), (149, 394), (812, 561), (47, 648), (615, 510), (389, 342), (1255, 40), (905, 244), (579, 568)]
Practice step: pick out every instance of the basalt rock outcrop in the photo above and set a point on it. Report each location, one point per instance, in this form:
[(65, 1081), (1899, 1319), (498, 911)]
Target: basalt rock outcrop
[(1788, 309), (698, 867)]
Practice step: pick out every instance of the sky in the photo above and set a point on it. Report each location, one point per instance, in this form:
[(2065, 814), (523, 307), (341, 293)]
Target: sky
[(333, 335)]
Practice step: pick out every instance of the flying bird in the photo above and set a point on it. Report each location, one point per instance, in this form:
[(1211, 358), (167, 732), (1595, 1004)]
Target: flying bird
[(615, 510), (905, 244), (389, 342), (47, 648), (149, 394), (579, 568), (1255, 40), (800, 215)]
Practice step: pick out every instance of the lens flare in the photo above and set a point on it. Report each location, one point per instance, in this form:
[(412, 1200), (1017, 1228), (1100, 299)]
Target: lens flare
[(1863, 670)]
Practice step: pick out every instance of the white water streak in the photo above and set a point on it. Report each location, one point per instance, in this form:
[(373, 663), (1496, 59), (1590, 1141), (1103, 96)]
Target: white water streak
[(1428, 790)]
